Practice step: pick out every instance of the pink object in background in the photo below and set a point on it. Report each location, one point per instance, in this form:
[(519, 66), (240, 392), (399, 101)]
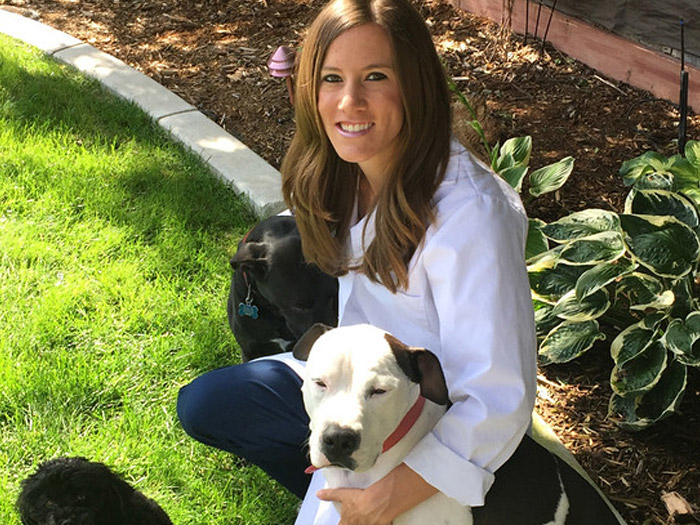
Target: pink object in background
[(281, 65)]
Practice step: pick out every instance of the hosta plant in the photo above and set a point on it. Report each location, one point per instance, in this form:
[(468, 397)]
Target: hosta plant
[(511, 160), (632, 278)]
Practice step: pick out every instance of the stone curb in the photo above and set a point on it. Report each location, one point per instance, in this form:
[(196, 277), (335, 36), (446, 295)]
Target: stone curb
[(231, 160)]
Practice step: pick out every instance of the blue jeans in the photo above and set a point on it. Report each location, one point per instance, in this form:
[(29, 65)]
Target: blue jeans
[(254, 410)]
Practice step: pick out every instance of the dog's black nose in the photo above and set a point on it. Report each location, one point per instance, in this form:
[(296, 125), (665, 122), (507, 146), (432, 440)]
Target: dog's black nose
[(339, 443)]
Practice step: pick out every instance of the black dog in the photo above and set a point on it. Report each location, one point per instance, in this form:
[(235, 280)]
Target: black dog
[(75, 491), (275, 296)]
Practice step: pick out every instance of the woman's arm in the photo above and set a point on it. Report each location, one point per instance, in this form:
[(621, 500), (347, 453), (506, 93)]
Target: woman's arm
[(379, 504), (478, 281)]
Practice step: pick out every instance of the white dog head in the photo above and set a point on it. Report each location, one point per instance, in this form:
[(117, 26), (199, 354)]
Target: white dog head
[(360, 383)]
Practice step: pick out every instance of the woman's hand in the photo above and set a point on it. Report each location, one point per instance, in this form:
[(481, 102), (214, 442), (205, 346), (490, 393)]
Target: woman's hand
[(359, 506), (400, 490)]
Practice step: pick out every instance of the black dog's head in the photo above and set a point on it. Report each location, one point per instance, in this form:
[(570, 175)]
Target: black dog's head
[(75, 491), (270, 261), (301, 292)]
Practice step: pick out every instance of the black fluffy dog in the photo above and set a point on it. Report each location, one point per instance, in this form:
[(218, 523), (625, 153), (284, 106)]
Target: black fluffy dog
[(75, 491), (275, 296)]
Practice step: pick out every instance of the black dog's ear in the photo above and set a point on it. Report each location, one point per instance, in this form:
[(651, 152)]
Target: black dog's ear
[(302, 347), (422, 367), (253, 256)]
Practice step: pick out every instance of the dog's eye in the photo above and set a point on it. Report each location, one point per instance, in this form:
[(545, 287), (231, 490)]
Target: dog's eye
[(377, 392), (319, 383)]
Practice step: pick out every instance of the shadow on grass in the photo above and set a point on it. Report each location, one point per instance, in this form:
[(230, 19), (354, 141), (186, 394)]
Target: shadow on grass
[(156, 182)]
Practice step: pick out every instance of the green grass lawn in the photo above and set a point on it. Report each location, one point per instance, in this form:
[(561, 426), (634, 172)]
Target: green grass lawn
[(114, 249)]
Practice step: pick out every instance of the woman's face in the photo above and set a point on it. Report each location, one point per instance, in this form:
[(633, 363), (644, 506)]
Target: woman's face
[(359, 99)]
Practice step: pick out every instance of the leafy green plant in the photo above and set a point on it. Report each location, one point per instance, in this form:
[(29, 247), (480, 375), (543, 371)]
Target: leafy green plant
[(634, 273), (511, 161)]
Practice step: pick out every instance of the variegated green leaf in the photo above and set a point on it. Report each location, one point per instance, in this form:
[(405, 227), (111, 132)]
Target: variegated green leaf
[(652, 320), (568, 341), (514, 176), (693, 193), (504, 161), (682, 338), (623, 411), (664, 301), (640, 374), (649, 162), (595, 249), (661, 202), (519, 148), (666, 396), (653, 181), (545, 321), (545, 260), (640, 288), (601, 275), (663, 244), (582, 224), (631, 342), (688, 181), (589, 308), (684, 173), (634, 413), (692, 152), (536, 241), (551, 178), (552, 283)]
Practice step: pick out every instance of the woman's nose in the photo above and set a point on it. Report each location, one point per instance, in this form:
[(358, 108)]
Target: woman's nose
[(352, 97)]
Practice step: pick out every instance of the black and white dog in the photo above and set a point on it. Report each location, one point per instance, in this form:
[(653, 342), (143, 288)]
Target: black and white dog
[(275, 296), (75, 491), (371, 399)]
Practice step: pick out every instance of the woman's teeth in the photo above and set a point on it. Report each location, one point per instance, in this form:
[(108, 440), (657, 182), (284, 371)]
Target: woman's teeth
[(355, 128)]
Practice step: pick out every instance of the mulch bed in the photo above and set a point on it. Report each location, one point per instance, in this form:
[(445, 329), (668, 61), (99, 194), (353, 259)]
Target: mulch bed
[(213, 54)]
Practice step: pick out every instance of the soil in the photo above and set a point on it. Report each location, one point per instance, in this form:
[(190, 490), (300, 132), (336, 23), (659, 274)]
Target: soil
[(213, 54)]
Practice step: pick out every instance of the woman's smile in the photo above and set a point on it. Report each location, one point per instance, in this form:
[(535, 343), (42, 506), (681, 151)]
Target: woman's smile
[(353, 130)]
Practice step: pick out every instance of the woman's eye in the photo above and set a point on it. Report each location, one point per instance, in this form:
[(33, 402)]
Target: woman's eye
[(319, 383), (376, 76), (331, 78)]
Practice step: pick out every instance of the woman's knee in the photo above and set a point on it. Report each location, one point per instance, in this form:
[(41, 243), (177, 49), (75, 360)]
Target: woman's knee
[(222, 403), (197, 406)]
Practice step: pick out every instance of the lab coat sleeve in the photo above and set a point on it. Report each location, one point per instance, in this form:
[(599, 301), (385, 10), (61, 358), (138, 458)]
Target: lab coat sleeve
[(478, 281)]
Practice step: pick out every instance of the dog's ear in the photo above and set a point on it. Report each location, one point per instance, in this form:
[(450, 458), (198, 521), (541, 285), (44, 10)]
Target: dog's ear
[(422, 367), (302, 348), (251, 256)]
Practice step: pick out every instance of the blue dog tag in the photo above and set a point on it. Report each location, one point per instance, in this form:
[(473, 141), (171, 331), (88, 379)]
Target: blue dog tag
[(248, 310)]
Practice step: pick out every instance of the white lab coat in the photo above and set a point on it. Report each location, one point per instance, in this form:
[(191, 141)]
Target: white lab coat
[(469, 302)]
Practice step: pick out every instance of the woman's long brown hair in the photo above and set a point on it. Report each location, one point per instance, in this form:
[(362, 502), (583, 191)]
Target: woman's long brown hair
[(321, 188)]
